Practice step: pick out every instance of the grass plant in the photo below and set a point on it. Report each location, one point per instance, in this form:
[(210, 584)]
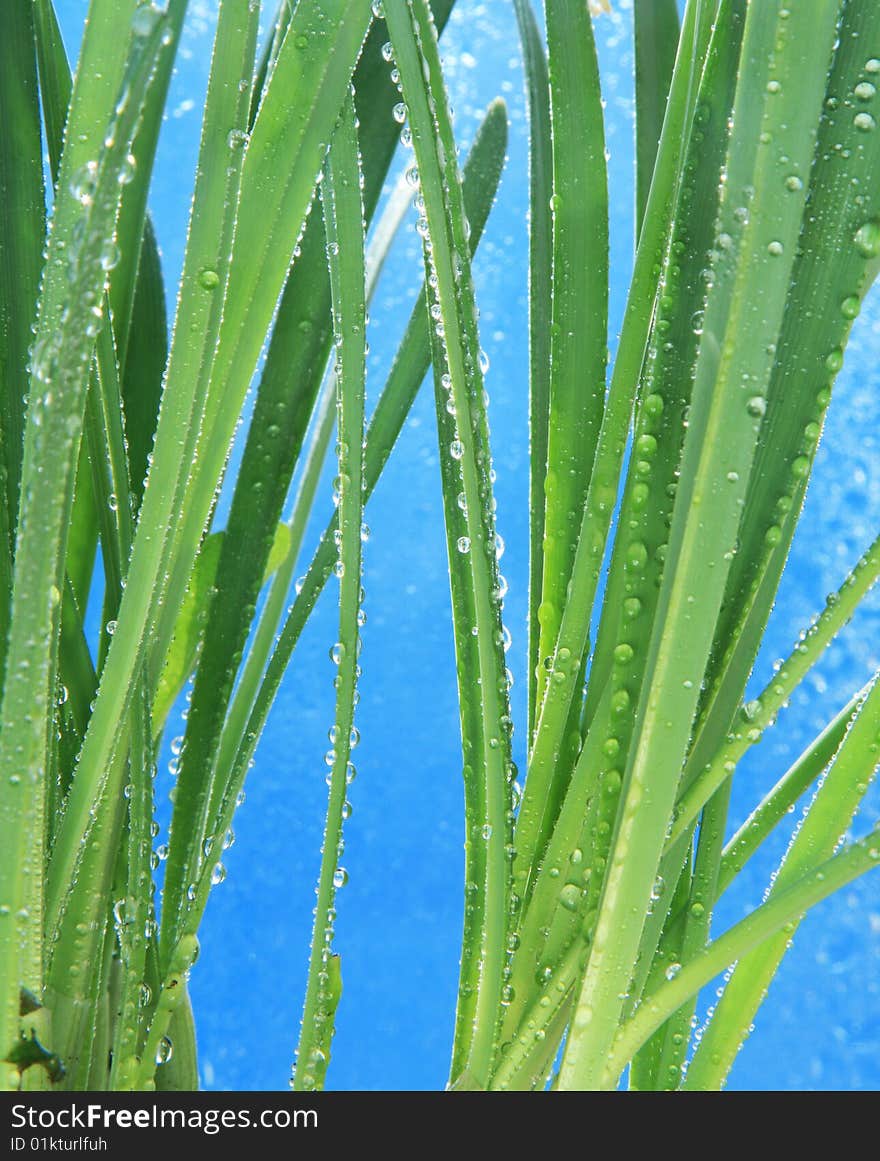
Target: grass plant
[(664, 494)]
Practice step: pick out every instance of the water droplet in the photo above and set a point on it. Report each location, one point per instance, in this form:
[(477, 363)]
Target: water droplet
[(83, 183), (867, 239), (864, 122), (672, 971), (127, 170), (218, 874), (834, 361), (775, 249), (757, 406), (794, 183), (570, 896), (463, 544), (165, 1050), (340, 877), (109, 255), (636, 556), (209, 279), (850, 306)]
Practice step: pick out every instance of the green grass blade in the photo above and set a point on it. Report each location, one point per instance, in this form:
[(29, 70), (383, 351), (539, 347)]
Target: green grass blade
[(755, 717), (146, 354), (181, 657), (415, 48), (769, 920), (343, 220), (791, 54), (222, 138), (579, 325), (56, 85), (22, 229), (702, 890), (777, 804), (132, 236), (656, 39), (540, 265), (22, 233), (824, 826), (144, 346)]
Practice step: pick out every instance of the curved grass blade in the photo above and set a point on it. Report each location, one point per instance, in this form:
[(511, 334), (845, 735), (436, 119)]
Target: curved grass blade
[(763, 924), (778, 803), (343, 220), (133, 917), (655, 28), (755, 717), (540, 263), (791, 55), (824, 825), (415, 48)]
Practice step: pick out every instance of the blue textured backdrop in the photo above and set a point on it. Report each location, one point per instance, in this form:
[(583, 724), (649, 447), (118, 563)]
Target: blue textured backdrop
[(400, 914)]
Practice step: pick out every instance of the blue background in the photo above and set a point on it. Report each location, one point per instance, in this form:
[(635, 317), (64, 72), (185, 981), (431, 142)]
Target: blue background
[(400, 913)]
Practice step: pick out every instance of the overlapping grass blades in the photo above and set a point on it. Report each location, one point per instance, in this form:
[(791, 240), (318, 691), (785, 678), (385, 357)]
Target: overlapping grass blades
[(471, 541), (663, 506), (343, 223), (620, 839), (107, 1002)]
